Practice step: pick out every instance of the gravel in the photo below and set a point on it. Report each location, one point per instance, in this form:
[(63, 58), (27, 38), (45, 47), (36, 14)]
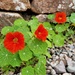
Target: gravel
[(62, 61)]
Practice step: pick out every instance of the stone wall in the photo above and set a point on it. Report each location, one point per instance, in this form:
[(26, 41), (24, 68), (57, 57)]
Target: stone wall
[(13, 9), (38, 6)]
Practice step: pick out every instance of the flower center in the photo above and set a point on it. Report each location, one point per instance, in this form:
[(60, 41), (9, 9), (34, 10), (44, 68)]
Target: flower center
[(60, 18), (39, 33), (15, 40)]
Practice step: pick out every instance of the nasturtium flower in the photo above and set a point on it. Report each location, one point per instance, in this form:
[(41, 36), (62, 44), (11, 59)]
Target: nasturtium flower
[(41, 33), (60, 17), (14, 41)]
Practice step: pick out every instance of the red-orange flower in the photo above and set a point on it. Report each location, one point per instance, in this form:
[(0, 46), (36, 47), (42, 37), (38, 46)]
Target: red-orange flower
[(60, 17), (14, 41), (41, 33)]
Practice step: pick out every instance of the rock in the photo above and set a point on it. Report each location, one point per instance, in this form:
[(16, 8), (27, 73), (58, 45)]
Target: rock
[(41, 17), (71, 67), (47, 71), (53, 72), (60, 67), (7, 18), (73, 57), (67, 74), (68, 60), (54, 63), (14, 5), (44, 6), (51, 6)]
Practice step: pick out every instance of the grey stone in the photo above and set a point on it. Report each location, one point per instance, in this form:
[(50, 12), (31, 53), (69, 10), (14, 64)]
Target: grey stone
[(42, 17), (53, 72), (68, 60), (54, 63), (60, 67), (67, 74), (15, 5), (71, 67), (52, 6), (7, 18)]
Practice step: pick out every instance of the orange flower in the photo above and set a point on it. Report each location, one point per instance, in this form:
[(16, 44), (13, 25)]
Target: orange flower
[(41, 33), (60, 17), (14, 41)]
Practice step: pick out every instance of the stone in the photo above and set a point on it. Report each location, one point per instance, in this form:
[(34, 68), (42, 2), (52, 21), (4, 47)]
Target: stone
[(71, 64), (51, 6), (67, 74), (60, 67), (53, 72), (14, 5), (47, 71), (54, 63), (68, 60), (7, 18), (41, 17), (44, 6), (71, 67)]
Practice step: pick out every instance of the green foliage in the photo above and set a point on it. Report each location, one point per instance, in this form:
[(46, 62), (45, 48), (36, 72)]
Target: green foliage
[(58, 40), (51, 16), (40, 69), (28, 70), (38, 47), (72, 18), (33, 57), (25, 54), (8, 59), (6, 29)]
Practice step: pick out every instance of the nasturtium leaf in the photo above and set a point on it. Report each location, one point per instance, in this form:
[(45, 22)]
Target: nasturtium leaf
[(20, 22), (58, 40), (7, 29), (68, 19), (42, 59), (7, 58), (27, 70), (40, 69), (72, 17), (60, 28), (25, 54), (37, 46), (48, 54), (49, 43), (69, 32), (66, 25), (51, 16), (33, 25), (25, 31), (48, 26)]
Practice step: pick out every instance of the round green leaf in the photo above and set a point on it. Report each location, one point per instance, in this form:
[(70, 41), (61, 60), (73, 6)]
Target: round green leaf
[(51, 16), (58, 40), (48, 26), (60, 28), (20, 22), (40, 69), (7, 58), (37, 46), (42, 59), (25, 54), (72, 17), (27, 70), (6, 29)]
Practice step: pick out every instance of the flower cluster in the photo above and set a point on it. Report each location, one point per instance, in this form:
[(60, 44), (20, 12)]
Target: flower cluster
[(14, 41)]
